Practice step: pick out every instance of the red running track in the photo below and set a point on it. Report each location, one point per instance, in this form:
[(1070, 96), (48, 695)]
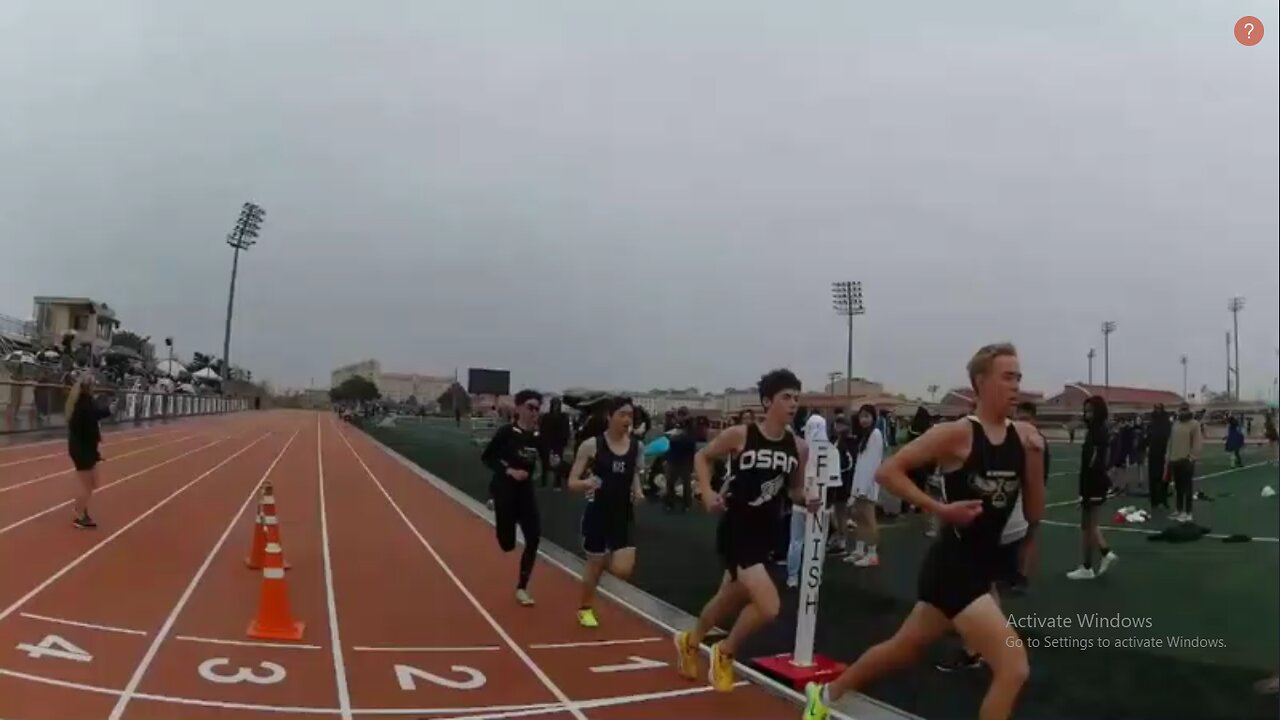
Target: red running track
[(407, 601)]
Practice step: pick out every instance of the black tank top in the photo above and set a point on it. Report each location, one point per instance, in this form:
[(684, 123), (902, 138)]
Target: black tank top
[(615, 472), (992, 474), (759, 475)]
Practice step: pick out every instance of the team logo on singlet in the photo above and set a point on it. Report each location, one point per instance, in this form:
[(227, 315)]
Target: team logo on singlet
[(764, 460), (996, 486), (619, 466)]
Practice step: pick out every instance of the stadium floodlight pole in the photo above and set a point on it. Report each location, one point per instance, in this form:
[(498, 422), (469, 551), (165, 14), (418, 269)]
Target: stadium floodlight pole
[(1235, 305), (1183, 360), (1108, 327), (846, 296), (242, 237), (1229, 395), (1091, 355)]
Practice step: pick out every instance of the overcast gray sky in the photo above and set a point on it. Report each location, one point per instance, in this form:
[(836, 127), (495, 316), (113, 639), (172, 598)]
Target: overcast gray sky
[(654, 193)]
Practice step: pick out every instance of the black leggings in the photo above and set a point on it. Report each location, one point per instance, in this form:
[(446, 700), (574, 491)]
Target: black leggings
[(515, 504), (1182, 472)]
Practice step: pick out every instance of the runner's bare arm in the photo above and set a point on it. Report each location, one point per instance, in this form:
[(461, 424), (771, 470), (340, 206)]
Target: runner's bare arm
[(586, 453), (936, 446), (730, 440)]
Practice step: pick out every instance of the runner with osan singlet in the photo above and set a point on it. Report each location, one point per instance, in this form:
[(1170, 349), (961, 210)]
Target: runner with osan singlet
[(768, 459)]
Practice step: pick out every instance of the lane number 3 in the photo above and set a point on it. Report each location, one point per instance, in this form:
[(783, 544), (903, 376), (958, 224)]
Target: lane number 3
[(272, 673)]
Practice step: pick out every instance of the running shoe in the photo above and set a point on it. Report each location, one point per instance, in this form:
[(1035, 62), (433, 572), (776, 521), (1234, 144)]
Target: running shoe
[(721, 671), (686, 656), (1107, 561), (1081, 573), (524, 598), (85, 523), (587, 618), (815, 707), (962, 661)]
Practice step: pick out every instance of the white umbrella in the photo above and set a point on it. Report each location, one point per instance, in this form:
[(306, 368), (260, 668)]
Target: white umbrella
[(205, 374), (172, 368)]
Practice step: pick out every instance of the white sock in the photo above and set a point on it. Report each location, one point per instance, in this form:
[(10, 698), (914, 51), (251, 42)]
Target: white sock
[(859, 547), (871, 549)]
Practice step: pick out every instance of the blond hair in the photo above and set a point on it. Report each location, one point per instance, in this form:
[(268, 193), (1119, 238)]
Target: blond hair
[(981, 362)]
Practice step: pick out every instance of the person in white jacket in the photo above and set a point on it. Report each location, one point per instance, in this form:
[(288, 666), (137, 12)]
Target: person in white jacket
[(866, 491)]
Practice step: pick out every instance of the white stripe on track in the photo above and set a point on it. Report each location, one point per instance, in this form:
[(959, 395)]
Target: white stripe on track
[(506, 638), (339, 662), (105, 541), (76, 623), (136, 679), (113, 458)]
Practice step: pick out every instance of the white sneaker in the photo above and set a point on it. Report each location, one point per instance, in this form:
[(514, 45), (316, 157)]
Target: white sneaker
[(1107, 561), (1187, 517), (793, 582), (524, 598), (1081, 573), (853, 557), (871, 560)]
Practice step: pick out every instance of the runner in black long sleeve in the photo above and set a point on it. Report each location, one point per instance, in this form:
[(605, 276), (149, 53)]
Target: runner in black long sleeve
[(512, 455)]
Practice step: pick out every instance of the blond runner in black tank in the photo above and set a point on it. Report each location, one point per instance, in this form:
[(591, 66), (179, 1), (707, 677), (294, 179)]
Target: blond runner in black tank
[(987, 461), (768, 465)]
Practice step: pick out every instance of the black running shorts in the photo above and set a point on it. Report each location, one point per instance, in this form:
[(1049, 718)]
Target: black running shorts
[(953, 576), (745, 541), (606, 529)]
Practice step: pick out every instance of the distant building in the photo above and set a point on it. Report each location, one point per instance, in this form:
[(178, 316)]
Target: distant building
[(394, 386), (855, 387), (399, 387), (367, 369), (1119, 398), (93, 323)]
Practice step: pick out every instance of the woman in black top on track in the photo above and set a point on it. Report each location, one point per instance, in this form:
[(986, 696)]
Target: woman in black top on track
[(987, 461), (83, 437)]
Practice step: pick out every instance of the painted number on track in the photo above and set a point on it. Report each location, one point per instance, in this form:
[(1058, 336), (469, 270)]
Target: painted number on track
[(473, 678), (272, 674), (54, 646)]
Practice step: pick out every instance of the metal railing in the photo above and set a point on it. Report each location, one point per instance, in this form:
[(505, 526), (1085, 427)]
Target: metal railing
[(27, 406)]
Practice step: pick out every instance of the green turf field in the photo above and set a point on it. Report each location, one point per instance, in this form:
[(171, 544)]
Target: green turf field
[(1225, 595)]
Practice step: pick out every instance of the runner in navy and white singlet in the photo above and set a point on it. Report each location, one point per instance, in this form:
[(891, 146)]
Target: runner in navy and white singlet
[(767, 466), (987, 461), (612, 485)]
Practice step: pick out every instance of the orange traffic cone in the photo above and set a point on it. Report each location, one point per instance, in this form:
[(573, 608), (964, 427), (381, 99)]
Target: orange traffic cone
[(275, 619), (266, 529)]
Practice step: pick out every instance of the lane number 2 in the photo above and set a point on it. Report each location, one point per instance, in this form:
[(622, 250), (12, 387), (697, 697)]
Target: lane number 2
[(473, 678), (272, 673), (55, 646)]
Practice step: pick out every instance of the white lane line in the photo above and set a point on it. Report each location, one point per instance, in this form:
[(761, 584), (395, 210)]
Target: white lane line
[(123, 701), (467, 503), (476, 712), (67, 503), (103, 543), (246, 643), (1220, 473), (339, 662), (63, 454), (75, 623), (498, 712), (594, 643), (434, 649), (515, 648), (1145, 531), (113, 458)]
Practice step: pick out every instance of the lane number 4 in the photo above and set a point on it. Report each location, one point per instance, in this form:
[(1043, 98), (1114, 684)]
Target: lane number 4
[(57, 647)]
